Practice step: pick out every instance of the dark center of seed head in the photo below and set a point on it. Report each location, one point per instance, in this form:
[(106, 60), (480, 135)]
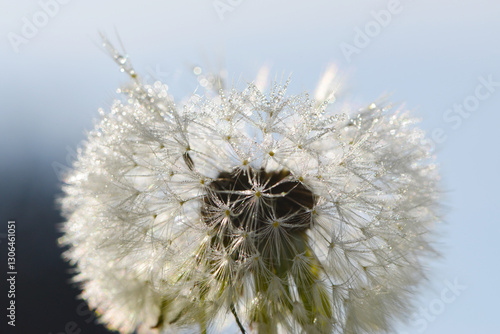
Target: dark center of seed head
[(277, 200)]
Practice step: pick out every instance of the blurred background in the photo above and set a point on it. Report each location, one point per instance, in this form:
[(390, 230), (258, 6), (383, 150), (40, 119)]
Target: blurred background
[(439, 58)]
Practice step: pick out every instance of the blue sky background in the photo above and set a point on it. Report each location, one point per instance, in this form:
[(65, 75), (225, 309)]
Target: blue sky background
[(431, 55)]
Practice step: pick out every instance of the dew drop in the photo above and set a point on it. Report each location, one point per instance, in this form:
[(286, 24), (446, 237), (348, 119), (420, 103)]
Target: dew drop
[(121, 60), (197, 70)]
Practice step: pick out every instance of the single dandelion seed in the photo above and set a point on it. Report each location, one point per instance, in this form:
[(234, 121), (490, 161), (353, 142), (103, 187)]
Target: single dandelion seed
[(179, 217)]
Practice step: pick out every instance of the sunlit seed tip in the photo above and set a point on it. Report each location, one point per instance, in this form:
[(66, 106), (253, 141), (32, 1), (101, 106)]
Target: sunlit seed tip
[(258, 194), (276, 224), (271, 153)]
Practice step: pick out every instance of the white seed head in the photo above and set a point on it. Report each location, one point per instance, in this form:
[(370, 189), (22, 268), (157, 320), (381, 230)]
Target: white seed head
[(297, 217)]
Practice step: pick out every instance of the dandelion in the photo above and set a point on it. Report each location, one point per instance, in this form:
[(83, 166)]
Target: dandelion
[(280, 214)]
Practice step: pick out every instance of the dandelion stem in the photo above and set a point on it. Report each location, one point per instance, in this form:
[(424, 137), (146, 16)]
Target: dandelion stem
[(233, 311)]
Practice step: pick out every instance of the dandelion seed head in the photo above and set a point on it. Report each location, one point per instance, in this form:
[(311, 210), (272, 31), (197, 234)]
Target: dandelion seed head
[(297, 216)]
